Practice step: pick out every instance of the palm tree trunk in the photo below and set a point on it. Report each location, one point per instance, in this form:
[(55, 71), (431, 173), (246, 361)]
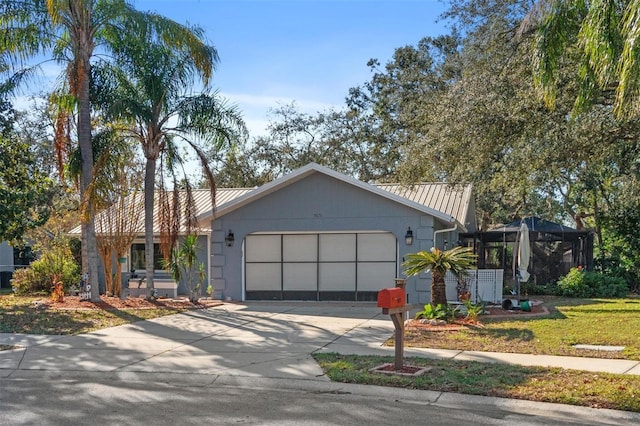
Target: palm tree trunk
[(149, 190), (89, 244), (438, 289)]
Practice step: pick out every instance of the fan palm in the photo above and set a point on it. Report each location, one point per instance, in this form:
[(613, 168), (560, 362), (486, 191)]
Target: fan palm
[(438, 262)]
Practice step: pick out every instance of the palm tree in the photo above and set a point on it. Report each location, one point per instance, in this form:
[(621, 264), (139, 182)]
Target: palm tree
[(438, 262), (183, 263), (603, 34), (149, 88), (70, 30)]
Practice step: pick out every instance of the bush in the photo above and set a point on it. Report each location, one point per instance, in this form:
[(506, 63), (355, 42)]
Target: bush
[(438, 312), (588, 284), (38, 277)]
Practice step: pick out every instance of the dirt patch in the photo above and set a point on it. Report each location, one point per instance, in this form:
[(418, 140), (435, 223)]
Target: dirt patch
[(112, 303), (406, 370), (9, 347)]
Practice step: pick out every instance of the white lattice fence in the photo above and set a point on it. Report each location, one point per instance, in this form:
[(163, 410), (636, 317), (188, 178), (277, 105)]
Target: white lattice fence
[(484, 284)]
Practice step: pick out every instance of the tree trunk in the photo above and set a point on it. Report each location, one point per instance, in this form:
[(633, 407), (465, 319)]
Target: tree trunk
[(117, 284), (105, 254), (89, 245), (149, 192), (438, 289)]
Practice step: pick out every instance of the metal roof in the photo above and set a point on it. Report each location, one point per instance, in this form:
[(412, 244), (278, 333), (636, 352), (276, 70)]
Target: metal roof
[(201, 198), (449, 199), (446, 202)]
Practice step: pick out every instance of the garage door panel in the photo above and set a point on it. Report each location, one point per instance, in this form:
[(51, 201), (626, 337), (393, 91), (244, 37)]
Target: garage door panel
[(376, 247), (337, 276), (317, 266), (300, 248), (263, 276), (337, 248), (263, 248), (376, 276), (300, 276)]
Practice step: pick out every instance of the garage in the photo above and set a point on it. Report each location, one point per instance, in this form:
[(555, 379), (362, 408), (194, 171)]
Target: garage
[(319, 266)]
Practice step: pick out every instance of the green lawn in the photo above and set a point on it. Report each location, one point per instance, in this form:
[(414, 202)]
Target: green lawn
[(611, 322), (599, 390)]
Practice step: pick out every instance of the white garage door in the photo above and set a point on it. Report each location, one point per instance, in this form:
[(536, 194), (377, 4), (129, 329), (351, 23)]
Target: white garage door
[(336, 266)]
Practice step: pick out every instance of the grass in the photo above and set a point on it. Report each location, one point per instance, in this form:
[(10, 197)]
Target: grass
[(19, 315), (599, 390), (612, 322)]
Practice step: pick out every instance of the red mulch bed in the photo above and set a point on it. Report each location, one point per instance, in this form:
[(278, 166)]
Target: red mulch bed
[(537, 309), (106, 302)]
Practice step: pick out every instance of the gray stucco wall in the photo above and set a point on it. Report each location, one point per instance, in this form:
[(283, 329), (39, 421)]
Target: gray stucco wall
[(317, 203), (6, 257)]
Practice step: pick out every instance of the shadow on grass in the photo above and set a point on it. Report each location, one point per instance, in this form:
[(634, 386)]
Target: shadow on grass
[(30, 320), (41, 317), (491, 379)]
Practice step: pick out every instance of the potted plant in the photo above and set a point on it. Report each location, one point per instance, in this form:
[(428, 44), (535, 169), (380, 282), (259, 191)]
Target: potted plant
[(438, 262)]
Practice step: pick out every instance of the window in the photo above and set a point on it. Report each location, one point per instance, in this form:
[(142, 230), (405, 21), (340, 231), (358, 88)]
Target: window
[(23, 256), (138, 257)]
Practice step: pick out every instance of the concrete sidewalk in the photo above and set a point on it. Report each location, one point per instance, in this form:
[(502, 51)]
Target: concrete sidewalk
[(266, 339)]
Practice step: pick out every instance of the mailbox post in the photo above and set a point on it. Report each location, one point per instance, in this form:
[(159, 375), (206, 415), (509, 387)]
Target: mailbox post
[(392, 302)]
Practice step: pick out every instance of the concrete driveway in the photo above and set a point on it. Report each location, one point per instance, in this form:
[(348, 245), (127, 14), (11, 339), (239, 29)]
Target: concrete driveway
[(257, 339), (261, 339)]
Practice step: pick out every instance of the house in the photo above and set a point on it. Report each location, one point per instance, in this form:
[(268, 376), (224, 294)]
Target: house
[(316, 234), (6, 264), (12, 258)]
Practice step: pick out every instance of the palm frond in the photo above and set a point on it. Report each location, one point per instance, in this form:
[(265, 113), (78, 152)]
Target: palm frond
[(457, 260)]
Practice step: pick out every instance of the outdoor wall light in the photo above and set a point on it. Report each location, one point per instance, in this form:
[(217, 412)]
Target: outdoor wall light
[(229, 239), (408, 237)]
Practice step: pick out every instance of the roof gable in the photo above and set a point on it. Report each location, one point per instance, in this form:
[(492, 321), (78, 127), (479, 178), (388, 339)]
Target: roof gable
[(312, 168)]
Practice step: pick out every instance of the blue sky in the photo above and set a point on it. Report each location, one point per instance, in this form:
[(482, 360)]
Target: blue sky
[(310, 51)]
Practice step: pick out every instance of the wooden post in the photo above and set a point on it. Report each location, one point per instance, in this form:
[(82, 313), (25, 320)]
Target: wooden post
[(397, 316)]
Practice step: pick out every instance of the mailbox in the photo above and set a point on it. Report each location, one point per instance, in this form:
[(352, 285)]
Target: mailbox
[(391, 297)]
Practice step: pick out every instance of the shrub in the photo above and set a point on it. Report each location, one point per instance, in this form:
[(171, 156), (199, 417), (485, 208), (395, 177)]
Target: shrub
[(438, 312), (588, 284), (541, 290), (39, 276), (474, 310)]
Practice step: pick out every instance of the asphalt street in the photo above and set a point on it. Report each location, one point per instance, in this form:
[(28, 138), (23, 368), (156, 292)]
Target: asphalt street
[(107, 399)]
